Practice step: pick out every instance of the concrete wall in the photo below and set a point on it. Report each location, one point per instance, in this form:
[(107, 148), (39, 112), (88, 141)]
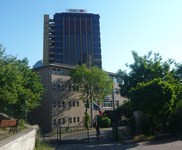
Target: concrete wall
[(24, 140)]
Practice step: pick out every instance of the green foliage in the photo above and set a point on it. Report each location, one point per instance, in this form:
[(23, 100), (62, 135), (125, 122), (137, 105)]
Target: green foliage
[(104, 122), (155, 98), (93, 83), (20, 87), (40, 144), (87, 120), (159, 94), (175, 123), (144, 69), (152, 86), (21, 124), (124, 110)]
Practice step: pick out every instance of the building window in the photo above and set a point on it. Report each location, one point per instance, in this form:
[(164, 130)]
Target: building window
[(107, 98), (63, 120), (62, 72), (77, 103), (54, 70), (59, 104), (73, 103), (70, 120), (54, 87), (107, 104), (58, 71), (58, 87), (63, 104), (54, 122), (54, 104), (78, 119), (116, 103), (69, 103), (74, 119), (116, 91), (69, 87), (59, 121)]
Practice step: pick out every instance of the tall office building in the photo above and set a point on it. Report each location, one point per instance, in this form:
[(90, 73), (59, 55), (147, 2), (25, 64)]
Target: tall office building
[(72, 37)]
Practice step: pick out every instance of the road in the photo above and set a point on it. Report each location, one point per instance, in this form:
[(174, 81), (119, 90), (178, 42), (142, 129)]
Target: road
[(107, 143)]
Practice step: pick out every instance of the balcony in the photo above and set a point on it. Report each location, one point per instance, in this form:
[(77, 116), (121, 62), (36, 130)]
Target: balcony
[(51, 58), (51, 41), (51, 52), (51, 47), (51, 30), (51, 35), (51, 20), (51, 24)]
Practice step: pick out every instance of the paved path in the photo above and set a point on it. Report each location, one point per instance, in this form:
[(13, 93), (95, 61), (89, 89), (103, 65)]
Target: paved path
[(162, 144), (106, 143)]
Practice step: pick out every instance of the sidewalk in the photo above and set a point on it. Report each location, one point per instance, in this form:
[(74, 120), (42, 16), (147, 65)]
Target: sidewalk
[(105, 143)]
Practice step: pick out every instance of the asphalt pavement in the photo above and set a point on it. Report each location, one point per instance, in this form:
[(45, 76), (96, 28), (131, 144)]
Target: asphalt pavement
[(106, 143)]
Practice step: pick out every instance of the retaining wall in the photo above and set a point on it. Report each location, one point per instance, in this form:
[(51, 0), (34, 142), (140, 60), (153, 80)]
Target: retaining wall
[(24, 140)]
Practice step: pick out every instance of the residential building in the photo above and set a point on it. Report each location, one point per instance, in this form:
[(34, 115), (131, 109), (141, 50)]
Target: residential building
[(72, 37)]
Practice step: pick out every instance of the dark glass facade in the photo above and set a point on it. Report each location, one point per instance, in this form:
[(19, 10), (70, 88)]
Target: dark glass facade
[(76, 39)]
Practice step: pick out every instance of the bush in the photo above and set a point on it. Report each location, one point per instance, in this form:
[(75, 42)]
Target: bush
[(175, 123), (21, 124), (105, 122), (40, 144)]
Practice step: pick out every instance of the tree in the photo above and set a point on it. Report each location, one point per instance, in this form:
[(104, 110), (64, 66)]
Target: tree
[(152, 86), (20, 87), (94, 84), (145, 68), (155, 97)]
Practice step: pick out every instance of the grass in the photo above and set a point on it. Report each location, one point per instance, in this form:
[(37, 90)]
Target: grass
[(41, 145)]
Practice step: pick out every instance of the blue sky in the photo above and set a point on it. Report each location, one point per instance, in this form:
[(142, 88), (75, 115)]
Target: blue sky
[(126, 25)]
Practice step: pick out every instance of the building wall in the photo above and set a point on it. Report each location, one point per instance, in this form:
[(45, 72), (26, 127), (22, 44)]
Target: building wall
[(24, 140), (61, 104), (43, 114), (67, 107), (72, 38)]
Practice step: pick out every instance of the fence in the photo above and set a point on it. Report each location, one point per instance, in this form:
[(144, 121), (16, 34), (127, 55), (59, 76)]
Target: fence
[(67, 134), (74, 134)]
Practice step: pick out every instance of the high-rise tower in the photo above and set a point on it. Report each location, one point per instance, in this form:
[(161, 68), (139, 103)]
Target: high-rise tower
[(72, 37)]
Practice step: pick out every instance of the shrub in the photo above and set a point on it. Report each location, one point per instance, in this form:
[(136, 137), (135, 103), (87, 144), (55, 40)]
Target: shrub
[(175, 123), (40, 144), (105, 122)]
